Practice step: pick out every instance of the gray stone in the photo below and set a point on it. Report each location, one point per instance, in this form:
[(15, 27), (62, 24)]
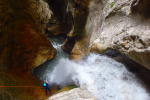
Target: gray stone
[(74, 94), (114, 24)]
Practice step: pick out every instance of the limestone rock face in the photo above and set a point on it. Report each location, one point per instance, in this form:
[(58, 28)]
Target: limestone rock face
[(119, 24), (23, 46), (123, 25), (74, 94)]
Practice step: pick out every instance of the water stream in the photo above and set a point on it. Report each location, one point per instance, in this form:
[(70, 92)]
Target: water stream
[(105, 78)]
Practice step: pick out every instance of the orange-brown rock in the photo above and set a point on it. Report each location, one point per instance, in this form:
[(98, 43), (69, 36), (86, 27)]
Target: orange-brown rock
[(77, 48), (57, 29), (68, 45), (29, 47), (80, 49), (73, 14), (25, 49), (23, 46)]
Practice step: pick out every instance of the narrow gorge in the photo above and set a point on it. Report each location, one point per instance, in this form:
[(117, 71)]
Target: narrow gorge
[(83, 49)]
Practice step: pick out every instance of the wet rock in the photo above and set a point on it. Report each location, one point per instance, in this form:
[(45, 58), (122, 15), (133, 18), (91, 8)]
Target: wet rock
[(80, 49), (25, 49), (97, 47), (68, 45), (22, 39), (61, 15), (73, 15), (23, 46), (121, 25), (77, 48), (57, 30), (74, 94), (132, 66)]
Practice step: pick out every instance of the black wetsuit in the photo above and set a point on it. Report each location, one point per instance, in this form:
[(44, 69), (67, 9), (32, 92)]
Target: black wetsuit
[(46, 87)]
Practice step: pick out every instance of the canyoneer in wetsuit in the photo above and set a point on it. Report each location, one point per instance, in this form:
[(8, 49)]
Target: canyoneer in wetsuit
[(46, 87)]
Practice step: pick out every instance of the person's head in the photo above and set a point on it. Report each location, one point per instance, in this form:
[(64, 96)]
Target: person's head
[(44, 84), (46, 81)]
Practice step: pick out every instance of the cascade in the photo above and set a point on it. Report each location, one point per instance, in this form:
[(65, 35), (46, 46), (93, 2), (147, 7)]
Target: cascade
[(104, 77)]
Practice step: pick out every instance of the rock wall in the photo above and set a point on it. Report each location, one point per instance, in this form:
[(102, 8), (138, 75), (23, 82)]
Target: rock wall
[(23, 46), (119, 24), (37, 10), (122, 25), (72, 16)]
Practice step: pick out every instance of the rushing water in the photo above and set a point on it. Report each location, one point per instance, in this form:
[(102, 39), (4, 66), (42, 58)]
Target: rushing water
[(105, 78)]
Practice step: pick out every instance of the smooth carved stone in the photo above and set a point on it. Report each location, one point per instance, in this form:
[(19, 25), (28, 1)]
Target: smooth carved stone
[(74, 94)]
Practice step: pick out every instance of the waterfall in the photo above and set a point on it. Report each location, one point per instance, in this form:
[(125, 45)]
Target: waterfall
[(105, 78)]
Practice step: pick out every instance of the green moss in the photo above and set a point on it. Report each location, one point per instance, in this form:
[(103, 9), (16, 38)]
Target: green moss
[(71, 86), (112, 4)]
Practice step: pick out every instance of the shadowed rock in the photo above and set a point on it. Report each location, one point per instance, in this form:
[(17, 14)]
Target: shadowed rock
[(23, 46)]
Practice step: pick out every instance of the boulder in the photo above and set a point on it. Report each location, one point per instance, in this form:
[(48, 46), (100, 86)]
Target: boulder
[(80, 48), (121, 25), (74, 94)]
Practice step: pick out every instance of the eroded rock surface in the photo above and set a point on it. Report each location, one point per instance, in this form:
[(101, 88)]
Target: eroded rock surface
[(122, 25), (119, 24), (23, 46), (74, 94)]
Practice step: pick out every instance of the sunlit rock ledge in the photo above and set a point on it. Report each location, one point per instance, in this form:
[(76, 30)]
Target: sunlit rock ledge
[(74, 94)]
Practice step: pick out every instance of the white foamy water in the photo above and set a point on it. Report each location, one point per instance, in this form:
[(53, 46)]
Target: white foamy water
[(105, 78)]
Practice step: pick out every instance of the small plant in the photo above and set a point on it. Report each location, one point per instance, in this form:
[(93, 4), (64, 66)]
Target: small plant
[(112, 4)]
